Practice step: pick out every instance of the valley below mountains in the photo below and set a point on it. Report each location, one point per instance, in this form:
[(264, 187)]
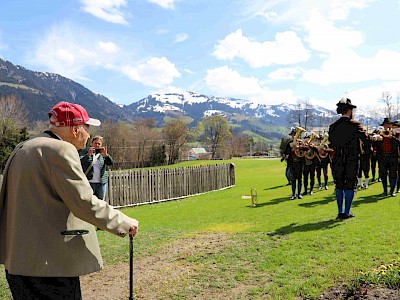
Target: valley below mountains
[(39, 91)]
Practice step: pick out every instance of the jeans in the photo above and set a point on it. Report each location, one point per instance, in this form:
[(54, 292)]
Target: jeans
[(99, 189)]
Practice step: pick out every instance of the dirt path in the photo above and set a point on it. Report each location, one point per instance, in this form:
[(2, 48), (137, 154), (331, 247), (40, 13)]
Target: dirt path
[(159, 276), (154, 277)]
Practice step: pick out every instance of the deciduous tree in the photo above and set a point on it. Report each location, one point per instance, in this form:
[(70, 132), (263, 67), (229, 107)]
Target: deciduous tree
[(216, 130), (13, 128), (175, 132)]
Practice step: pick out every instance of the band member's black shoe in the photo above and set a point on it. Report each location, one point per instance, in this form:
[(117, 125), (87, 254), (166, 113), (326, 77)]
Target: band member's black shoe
[(348, 216), (326, 187), (373, 179), (299, 196), (293, 197), (340, 216), (393, 194)]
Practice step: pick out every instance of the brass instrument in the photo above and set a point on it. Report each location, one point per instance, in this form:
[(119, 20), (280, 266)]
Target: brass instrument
[(296, 137), (323, 148), (300, 149), (310, 152), (387, 132), (297, 144)]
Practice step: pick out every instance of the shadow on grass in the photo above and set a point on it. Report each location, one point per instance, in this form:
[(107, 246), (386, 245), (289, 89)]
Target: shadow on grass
[(285, 230), (369, 199), (324, 201), (272, 202), (275, 187)]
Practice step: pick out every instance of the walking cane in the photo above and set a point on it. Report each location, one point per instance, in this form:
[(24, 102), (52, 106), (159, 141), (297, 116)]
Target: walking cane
[(131, 268)]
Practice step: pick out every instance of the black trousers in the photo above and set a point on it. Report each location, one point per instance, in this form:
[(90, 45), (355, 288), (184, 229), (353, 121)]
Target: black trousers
[(44, 288), (365, 165), (344, 170)]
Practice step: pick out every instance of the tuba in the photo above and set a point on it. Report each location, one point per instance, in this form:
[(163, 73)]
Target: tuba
[(296, 138), (297, 144), (310, 153), (323, 148)]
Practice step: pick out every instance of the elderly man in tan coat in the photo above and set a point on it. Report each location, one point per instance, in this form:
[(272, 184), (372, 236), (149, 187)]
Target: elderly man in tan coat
[(45, 195)]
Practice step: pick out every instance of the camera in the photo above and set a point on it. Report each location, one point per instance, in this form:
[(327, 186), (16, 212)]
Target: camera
[(98, 150)]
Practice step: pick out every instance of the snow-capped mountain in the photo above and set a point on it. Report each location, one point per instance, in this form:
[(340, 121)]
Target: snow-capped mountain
[(38, 91), (196, 106)]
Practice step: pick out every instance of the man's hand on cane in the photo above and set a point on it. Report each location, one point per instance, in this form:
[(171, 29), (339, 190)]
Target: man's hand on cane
[(134, 229)]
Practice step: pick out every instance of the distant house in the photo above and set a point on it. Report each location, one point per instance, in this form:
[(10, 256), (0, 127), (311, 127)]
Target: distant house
[(197, 153)]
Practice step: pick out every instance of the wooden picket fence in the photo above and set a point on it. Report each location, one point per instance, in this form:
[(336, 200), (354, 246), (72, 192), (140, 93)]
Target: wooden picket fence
[(136, 187)]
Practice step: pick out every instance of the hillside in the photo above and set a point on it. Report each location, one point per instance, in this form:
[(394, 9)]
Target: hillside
[(41, 90)]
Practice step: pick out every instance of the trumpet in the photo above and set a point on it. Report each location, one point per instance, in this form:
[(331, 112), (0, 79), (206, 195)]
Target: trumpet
[(387, 132)]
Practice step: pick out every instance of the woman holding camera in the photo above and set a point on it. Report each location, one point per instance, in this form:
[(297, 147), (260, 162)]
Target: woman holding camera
[(94, 160)]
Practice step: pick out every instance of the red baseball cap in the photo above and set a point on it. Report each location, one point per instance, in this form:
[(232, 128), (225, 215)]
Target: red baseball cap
[(70, 114)]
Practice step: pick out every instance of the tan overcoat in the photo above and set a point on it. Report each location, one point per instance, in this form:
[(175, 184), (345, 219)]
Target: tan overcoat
[(44, 192)]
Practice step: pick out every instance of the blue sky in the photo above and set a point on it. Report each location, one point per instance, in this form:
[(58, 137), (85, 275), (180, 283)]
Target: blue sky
[(266, 51)]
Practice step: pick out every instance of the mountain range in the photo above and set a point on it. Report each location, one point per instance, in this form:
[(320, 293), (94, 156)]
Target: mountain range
[(39, 91)]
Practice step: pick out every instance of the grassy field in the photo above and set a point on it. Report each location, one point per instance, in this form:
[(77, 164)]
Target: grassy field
[(281, 249)]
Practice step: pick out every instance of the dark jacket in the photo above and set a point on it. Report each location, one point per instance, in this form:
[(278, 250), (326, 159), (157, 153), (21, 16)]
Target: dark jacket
[(345, 135), (86, 161)]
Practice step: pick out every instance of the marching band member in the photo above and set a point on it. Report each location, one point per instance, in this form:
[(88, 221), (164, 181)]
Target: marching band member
[(323, 162), (387, 152), (296, 162), (365, 164), (311, 161), (374, 155), (345, 135)]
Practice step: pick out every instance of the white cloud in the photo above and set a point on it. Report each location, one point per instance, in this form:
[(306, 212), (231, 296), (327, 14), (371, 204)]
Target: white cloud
[(67, 51), (107, 10), (285, 73), (347, 67), (155, 72), (167, 4), (286, 49), (294, 11), (324, 36), (227, 82), (189, 71), (108, 47), (371, 94), (268, 96), (181, 37)]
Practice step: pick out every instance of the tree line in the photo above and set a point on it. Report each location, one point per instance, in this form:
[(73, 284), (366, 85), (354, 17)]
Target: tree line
[(139, 143)]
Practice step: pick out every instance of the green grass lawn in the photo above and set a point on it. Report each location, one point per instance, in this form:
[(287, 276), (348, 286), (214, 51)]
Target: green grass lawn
[(281, 249)]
